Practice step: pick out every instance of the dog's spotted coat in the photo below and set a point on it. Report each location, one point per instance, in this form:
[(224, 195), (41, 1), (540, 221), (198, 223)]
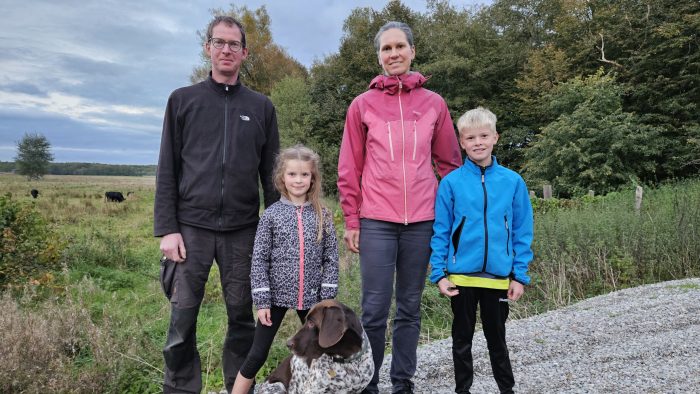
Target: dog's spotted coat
[(327, 376)]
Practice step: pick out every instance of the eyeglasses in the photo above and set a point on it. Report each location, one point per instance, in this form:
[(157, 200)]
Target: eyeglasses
[(219, 43)]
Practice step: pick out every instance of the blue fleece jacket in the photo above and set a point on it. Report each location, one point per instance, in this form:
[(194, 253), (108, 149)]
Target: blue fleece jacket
[(483, 224)]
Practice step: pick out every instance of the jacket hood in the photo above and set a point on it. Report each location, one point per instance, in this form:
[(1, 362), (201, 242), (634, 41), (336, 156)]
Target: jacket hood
[(390, 83)]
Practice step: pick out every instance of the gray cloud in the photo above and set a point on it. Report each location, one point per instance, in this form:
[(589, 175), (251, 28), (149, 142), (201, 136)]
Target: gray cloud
[(94, 76)]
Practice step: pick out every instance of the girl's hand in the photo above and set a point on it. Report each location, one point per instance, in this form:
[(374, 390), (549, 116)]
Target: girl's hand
[(515, 290), (447, 288), (264, 317)]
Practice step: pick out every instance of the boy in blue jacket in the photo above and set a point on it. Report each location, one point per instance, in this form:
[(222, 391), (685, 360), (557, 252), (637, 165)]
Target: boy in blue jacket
[(481, 247)]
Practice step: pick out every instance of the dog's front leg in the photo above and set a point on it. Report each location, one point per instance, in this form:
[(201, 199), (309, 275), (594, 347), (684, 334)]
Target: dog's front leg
[(283, 373)]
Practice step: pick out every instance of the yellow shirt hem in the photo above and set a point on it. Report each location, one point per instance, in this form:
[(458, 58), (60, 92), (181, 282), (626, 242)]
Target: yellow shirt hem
[(475, 281)]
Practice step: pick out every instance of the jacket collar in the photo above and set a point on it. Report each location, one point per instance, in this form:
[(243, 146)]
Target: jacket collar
[(223, 88), (389, 84), (284, 200), (475, 168)]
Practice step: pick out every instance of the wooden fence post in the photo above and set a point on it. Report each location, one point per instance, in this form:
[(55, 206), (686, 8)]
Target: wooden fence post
[(547, 191), (638, 199), (532, 194), (591, 193)]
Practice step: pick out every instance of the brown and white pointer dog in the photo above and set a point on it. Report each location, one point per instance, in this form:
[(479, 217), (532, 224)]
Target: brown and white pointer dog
[(331, 354)]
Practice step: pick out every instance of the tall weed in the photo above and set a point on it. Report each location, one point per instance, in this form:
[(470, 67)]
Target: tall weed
[(602, 244), (29, 249), (110, 320)]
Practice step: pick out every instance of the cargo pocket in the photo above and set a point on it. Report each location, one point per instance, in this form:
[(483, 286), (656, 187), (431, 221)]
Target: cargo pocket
[(167, 276)]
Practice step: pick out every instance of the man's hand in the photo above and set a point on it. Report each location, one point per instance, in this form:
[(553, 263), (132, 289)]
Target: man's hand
[(173, 247), (352, 240), (515, 290), (447, 288), (264, 317)]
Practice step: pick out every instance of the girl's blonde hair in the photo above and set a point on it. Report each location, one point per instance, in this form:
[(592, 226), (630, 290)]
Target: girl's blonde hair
[(314, 194)]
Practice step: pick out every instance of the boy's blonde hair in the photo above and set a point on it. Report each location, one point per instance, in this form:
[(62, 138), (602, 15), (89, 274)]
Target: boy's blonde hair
[(314, 194), (477, 117)]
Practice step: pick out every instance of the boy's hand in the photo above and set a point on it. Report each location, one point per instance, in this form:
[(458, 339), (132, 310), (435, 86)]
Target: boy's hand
[(264, 317), (515, 290), (447, 288)]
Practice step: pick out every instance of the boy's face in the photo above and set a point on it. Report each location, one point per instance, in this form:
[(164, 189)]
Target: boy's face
[(478, 142)]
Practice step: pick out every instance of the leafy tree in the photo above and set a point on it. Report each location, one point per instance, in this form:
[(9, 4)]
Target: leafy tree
[(592, 144), (294, 108), (654, 50), (33, 156), (267, 62)]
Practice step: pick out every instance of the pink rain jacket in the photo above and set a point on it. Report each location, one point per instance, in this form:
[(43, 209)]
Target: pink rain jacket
[(393, 134)]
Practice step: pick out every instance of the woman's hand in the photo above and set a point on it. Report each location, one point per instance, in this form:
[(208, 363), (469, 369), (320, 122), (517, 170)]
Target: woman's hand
[(447, 288), (264, 317), (352, 240)]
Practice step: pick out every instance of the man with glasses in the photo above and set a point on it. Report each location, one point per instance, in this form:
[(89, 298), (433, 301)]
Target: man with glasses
[(219, 139)]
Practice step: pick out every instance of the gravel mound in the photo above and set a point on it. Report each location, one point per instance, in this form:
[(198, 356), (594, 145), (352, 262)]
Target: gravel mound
[(643, 339)]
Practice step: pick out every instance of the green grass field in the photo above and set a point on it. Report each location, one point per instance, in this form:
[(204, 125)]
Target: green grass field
[(87, 313)]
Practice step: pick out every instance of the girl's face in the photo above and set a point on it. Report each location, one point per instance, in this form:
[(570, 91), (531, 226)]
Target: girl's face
[(297, 180), (395, 53)]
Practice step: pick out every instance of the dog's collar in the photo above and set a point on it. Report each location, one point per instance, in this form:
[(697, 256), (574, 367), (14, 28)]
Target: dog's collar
[(365, 348)]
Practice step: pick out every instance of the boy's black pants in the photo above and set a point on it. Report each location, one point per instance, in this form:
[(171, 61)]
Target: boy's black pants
[(494, 313)]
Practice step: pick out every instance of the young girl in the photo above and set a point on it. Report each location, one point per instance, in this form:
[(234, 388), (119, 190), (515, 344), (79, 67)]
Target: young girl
[(295, 258)]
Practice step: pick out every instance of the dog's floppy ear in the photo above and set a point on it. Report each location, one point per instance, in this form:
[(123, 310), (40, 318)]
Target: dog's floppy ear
[(332, 326)]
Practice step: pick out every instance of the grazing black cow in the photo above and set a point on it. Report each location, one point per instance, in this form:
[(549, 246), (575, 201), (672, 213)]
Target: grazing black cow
[(34, 193), (114, 196)]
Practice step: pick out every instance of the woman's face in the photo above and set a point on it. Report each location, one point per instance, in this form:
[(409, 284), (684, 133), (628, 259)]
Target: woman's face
[(395, 53)]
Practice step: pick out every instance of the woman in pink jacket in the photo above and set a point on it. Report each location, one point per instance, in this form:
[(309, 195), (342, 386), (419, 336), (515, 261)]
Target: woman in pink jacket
[(396, 135)]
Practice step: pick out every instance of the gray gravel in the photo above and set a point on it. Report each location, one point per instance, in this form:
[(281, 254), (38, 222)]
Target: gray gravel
[(644, 339)]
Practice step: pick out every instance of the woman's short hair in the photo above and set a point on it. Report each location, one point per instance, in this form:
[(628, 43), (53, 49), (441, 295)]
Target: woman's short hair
[(394, 25), (477, 117)]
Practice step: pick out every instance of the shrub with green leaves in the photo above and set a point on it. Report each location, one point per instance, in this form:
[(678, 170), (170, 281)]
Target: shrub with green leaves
[(28, 248)]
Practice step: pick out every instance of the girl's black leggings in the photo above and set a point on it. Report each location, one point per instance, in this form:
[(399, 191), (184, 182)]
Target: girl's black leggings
[(262, 342)]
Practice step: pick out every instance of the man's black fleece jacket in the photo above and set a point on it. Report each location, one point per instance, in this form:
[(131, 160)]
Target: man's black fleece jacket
[(217, 140)]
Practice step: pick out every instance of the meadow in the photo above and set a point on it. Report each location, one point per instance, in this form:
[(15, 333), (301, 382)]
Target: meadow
[(82, 310)]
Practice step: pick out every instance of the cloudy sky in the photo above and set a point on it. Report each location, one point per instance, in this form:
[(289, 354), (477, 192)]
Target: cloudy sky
[(94, 76)]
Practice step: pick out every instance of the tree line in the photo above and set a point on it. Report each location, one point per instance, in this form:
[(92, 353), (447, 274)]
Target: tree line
[(590, 94), (88, 169)]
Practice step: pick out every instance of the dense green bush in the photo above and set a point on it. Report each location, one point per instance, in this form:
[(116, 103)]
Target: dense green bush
[(29, 250)]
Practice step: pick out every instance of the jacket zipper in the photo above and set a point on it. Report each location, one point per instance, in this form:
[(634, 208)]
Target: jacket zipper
[(403, 157), (300, 229), (223, 161), (505, 219), (391, 146), (486, 227), (415, 139)]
